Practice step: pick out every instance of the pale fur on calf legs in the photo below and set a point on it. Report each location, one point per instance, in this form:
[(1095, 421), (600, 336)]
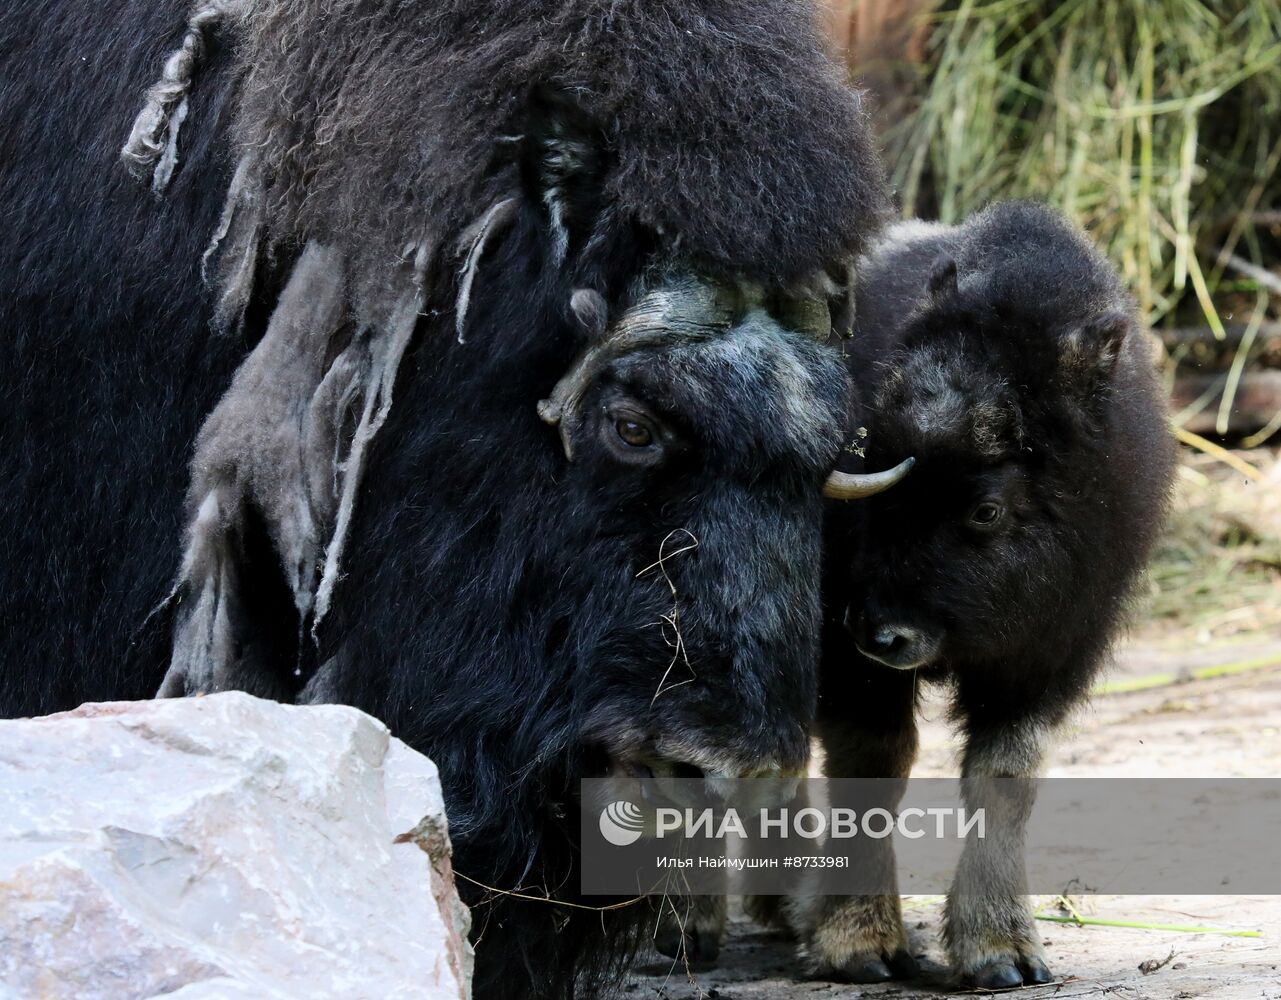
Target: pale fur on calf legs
[(858, 939), (989, 930)]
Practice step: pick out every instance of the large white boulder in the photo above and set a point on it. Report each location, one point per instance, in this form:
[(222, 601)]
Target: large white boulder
[(223, 847)]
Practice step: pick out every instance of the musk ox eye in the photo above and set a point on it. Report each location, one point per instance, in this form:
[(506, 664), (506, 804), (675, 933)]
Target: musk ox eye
[(986, 514), (633, 433)]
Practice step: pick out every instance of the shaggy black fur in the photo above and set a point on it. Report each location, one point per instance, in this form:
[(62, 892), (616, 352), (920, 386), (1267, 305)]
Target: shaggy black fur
[(496, 607), (1003, 355), (109, 365), (495, 616)]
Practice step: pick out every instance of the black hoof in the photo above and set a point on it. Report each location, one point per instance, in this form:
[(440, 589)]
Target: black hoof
[(691, 947), (766, 911), (1036, 972), (998, 976), (668, 942), (873, 969), (870, 970), (904, 965)]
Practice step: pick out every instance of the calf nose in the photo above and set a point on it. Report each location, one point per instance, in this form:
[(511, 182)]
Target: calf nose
[(892, 641), (896, 644)]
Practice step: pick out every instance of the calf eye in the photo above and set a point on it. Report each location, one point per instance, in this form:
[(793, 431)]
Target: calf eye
[(986, 514), (633, 433)]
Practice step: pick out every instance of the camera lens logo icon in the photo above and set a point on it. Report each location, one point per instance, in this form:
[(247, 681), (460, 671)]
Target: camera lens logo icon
[(621, 823)]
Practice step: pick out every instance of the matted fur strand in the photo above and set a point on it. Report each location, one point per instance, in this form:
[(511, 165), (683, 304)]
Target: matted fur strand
[(152, 147)]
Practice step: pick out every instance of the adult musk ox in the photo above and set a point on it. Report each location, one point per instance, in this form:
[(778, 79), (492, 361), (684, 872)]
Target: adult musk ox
[(1004, 355), (514, 316)]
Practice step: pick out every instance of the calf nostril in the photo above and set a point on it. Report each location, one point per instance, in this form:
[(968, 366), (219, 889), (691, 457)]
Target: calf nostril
[(891, 641), (903, 646)]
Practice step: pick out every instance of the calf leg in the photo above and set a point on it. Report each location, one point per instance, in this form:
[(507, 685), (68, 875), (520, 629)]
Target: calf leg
[(990, 934), (872, 734)]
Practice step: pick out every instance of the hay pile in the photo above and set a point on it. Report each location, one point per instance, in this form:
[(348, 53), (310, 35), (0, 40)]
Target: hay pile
[(1217, 572), (1156, 124)]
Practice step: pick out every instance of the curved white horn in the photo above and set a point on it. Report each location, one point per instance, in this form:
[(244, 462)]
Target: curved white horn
[(848, 486)]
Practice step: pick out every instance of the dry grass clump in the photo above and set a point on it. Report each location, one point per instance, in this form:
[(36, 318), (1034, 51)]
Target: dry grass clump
[(1156, 124), (1217, 571)]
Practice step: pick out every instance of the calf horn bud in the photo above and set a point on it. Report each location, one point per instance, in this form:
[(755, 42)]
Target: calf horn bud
[(848, 486)]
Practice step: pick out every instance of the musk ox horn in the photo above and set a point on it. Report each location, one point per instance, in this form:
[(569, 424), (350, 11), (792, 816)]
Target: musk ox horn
[(681, 308), (848, 486)]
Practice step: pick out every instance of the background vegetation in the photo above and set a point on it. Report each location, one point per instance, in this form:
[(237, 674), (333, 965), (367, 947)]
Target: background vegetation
[(1156, 124)]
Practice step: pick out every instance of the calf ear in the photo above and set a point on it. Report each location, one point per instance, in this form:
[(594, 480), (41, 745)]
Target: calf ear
[(943, 277), (1088, 354), (1092, 349)]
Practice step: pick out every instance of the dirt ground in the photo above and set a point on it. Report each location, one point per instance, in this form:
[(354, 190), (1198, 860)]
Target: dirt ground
[(1173, 725), (1229, 726)]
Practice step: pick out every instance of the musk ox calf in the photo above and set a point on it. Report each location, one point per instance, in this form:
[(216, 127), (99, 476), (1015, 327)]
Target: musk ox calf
[(1004, 355)]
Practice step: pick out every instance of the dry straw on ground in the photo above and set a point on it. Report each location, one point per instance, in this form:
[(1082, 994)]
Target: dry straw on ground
[(1217, 572)]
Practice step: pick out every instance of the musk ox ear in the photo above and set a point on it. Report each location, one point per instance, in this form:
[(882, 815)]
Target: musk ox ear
[(564, 167), (591, 312), (942, 282)]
